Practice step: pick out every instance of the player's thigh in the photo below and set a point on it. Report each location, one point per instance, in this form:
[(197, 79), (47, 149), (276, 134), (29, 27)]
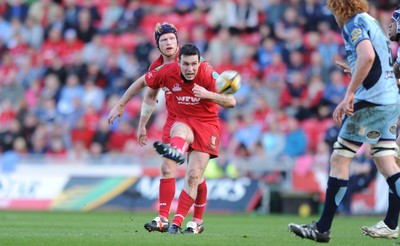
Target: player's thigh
[(206, 138), (182, 129)]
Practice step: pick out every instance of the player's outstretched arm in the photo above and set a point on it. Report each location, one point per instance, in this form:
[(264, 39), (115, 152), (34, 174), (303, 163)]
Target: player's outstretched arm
[(148, 106), (223, 100), (118, 110)]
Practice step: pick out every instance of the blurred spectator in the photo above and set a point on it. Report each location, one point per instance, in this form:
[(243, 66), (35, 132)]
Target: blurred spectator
[(90, 6), (274, 11), (329, 44), (218, 15), (3, 7), (38, 140), (71, 47), (44, 11), (316, 89), (56, 149), (121, 137), (85, 28), (131, 17), (335, 90), (246, 137), (9, 134), (266, 51), (273, 140), (110, 17), (290, 21), (199, 38), (143, 51), (5, 30), (52, 46), (219, 47), (295, 97), (72, 89), (296, 140), (102, 135), (310, 11), (12, 91), (243, 17), (9, 160), (57, 69), (94, 73), (71, 11), (16, 9), (95, 51), (81, 133)]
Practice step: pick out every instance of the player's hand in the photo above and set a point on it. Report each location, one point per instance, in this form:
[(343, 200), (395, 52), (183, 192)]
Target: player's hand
[(116, 112), (344, 107), (344, 66), (200, 91), (142, 136)]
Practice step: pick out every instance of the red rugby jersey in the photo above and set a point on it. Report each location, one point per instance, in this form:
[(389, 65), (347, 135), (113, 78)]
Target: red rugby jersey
[(182, 101)]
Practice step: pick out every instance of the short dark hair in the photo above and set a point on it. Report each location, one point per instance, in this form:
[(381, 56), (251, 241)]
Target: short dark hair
[(189, 50)]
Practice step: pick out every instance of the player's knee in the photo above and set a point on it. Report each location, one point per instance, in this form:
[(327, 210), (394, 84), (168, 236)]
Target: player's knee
[(168, 169), (194, 179), (384, 149), (345, 148)]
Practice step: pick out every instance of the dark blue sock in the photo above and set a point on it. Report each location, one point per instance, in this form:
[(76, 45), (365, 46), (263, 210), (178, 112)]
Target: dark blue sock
[(334, 195), (392, 214)]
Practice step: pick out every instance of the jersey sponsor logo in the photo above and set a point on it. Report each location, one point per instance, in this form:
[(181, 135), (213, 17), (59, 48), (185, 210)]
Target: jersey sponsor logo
[(215, 75), (188, 100), (373, 134), (176, 87), (356, 35), (150, 74), (389, 74)]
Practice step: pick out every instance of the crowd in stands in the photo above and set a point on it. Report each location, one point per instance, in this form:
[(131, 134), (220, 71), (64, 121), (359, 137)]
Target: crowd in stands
[(64, 64)]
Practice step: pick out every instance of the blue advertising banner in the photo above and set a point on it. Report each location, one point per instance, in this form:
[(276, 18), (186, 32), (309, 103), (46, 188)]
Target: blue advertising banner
[(224, 195)]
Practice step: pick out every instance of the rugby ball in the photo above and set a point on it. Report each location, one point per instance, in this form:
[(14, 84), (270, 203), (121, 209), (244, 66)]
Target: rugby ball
[(228, 82)]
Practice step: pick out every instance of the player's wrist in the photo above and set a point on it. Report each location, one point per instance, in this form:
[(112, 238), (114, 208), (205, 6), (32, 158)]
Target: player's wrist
[(147, 110)]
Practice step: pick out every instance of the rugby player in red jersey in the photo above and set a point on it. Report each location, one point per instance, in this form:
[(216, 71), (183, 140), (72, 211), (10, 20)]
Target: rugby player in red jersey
[(166, 38), (194, 100)]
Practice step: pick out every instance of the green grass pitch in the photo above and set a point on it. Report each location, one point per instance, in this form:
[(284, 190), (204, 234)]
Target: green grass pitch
[(126, 228)]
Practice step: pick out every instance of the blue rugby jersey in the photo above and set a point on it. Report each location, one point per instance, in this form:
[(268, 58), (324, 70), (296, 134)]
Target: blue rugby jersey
[(380, 86)]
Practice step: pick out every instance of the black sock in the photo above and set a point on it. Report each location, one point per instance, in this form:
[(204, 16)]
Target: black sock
[(392, 214), (334, 195)]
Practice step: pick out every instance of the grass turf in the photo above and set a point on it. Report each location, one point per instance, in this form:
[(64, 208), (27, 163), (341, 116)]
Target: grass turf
[(124, 228)]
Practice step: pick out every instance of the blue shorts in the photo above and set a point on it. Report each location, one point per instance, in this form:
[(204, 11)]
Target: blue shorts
[(371, 124)]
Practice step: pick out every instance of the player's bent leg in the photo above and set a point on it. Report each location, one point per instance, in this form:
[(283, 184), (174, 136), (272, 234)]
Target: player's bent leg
[(380, 230), (169, 152), (157, 224), (310, 231)]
